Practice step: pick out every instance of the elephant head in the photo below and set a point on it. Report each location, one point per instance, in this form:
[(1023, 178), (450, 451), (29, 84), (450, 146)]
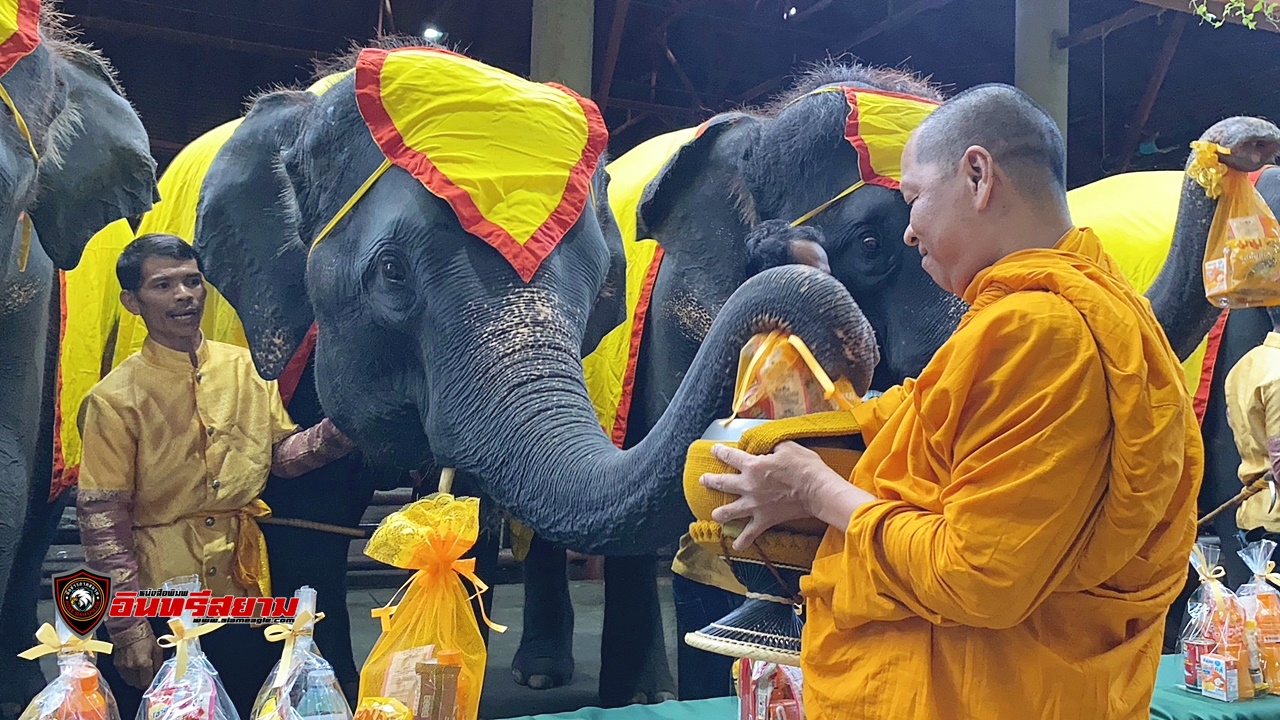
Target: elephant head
[(100, 169), (785, 162), (430, 341), (84, 160), (1177, 295)]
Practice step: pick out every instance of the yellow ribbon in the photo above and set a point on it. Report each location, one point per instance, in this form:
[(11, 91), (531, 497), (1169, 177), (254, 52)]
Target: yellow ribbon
[(465, 567), (762, 351), (359, 193), (1270, 575), (181, 638), (290, 633), (51, 643), (22, 124), (384, 613), (814, 212), (24, 250), (1206, 166), (251, 568)]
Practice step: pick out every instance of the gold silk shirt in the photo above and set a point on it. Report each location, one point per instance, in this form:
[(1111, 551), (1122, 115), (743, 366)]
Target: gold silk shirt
[(176, 454), (1252, 390)]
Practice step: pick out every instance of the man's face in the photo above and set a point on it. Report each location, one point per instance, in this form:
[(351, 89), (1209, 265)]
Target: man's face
[(170, 300), (946, 218)]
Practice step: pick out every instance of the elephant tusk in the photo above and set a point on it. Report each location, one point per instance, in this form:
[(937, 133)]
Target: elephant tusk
[(446, 480)]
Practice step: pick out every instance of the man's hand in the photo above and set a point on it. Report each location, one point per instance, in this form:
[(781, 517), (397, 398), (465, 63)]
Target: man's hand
[(139, 661), (790, 483)]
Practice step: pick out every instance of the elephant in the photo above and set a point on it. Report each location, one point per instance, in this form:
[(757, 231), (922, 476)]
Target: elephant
[(476, 367), (91, 166)]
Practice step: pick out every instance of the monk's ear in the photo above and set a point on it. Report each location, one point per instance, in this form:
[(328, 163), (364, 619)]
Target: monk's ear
[(979, 169)]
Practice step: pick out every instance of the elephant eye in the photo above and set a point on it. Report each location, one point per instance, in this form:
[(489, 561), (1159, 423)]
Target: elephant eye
[(392, 269), (871, 244)]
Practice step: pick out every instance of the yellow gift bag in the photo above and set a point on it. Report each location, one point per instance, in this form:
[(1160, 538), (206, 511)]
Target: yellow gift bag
[(430, 656), (1242, 255)]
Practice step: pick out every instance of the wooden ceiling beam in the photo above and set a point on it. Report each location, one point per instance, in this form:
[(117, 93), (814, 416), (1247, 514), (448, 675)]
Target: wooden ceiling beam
[(620, 8), (183, 37), (1134, 134), (1093, 32), (1215, 7), (894, 22)]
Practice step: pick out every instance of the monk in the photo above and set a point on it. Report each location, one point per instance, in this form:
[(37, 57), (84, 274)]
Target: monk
[(1024, 512)]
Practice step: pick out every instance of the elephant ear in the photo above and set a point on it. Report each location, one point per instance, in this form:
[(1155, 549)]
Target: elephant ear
[(610, 309), (709, 163), (98, 168), (247, 230)]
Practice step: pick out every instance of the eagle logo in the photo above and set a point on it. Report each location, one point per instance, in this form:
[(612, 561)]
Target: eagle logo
[(81, 597)]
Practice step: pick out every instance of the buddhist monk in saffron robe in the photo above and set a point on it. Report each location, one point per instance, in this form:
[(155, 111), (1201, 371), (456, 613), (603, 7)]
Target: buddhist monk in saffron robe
[(1022, 518)]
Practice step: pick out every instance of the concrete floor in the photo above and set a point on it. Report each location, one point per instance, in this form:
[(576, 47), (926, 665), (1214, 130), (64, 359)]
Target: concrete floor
[(502, 697)]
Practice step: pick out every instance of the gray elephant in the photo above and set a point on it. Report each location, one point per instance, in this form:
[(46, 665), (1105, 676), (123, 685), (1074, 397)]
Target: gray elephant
[(92, 166), (429, 342)]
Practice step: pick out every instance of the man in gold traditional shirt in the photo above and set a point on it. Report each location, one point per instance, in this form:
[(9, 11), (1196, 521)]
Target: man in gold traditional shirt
[(1023, 514), (178, 443)]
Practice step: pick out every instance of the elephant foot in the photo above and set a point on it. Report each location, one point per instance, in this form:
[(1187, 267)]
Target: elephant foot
[(542, 672), (631, 685)]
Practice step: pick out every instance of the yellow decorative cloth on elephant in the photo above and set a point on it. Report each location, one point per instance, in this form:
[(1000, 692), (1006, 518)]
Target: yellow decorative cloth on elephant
[(877, 126), (1133, 214), (512, 157), (19, 31)]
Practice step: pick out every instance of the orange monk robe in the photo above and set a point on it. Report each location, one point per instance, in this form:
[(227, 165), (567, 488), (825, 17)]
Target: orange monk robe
[(1036, 511)]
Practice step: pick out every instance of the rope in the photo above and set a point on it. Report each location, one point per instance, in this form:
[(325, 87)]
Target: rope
[(318, 526)]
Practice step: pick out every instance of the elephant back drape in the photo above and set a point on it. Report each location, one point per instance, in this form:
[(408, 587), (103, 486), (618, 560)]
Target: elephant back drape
[(1133, 214)]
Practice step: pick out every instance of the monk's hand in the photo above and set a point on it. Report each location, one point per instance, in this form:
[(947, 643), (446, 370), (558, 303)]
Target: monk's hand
[(790, 483)]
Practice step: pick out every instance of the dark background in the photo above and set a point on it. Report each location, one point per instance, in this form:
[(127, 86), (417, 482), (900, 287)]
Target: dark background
[(189, 65)]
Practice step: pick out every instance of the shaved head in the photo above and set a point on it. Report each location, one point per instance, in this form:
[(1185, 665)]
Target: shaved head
[(1021, 137)]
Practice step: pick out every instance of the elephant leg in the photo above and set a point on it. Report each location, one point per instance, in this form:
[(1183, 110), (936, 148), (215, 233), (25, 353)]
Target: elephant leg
[(633, 653), (545, 657), (319, 560), (18, 620)]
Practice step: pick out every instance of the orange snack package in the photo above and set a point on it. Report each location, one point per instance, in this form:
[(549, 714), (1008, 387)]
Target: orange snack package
[(778, 377), (1242, 256), (78, 692), (433, 623), (1262, 603), (1217, 620)]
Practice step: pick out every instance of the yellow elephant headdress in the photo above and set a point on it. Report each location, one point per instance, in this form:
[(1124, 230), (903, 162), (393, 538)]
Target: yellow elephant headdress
[(877, 126), (512, 157), (19, 31)]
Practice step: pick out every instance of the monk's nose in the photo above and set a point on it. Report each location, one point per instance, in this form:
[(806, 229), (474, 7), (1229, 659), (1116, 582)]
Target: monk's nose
[(909, 237)]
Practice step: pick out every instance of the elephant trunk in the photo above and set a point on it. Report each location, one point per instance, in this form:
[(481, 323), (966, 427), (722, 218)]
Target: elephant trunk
[(544, 457), (1177, 295)]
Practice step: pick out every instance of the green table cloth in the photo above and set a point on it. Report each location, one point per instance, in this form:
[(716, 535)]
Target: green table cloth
[(1170, 702)]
